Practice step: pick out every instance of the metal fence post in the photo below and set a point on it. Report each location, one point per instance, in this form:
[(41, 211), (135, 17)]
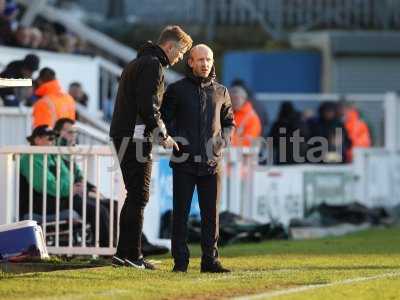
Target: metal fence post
[(6, 186), (392, 123)]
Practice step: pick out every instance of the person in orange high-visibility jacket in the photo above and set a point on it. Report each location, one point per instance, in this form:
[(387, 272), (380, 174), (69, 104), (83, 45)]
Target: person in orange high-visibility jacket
[(53, 103), (357, 131), (248, 124)]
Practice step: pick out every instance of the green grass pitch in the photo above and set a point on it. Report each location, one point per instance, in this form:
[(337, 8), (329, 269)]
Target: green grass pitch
[(260, 268)]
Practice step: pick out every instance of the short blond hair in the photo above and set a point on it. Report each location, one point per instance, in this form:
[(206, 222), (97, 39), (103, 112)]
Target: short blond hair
[(176, 34)]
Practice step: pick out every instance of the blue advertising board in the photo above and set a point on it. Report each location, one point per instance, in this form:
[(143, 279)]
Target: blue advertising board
[(165, 185)]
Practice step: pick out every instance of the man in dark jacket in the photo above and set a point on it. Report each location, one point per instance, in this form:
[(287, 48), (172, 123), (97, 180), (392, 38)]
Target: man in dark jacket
[(332, 141), (289, 134), (137, 119), (198, 112), (18, 69)]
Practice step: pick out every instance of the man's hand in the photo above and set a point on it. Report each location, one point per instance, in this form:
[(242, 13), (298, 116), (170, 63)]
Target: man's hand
[(93, 193), (220, 142), (169, 143)]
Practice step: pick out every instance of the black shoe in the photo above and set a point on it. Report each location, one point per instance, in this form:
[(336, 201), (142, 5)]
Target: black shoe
[(179, 269), (214, 267), (139, 264), (117, 261)]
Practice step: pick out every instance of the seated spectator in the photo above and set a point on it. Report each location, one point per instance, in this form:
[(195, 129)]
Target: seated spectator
[(18, 69), (44, 136), (50, 40), (52, 36), (248, 125), (10, 13), (335, 141), (66, 133), (68, 43), (36, 38), (53, 103), (290, 128), (21, 38), (6, 30), (76, 91), (9, 10)]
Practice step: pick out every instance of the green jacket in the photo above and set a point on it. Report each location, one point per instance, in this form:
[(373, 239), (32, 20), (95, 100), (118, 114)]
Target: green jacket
[(38, 161), (66, 158)]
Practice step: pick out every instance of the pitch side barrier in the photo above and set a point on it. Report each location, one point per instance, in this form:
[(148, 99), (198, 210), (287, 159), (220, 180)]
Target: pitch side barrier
[(264, 193), (65, 230), (70, 232), (278, 194)]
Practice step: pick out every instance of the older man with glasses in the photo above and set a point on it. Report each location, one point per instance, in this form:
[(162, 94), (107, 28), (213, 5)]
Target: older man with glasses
[(44, 136)]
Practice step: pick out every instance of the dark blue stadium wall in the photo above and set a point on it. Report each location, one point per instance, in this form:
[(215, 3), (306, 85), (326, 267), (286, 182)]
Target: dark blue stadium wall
[(280, 71)]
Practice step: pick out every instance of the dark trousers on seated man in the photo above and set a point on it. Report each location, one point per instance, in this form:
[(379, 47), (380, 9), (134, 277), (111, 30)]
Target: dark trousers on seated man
[(209, 192), (104, 211)]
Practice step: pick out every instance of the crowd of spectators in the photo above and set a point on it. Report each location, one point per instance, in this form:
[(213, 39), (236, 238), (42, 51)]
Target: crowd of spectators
[(42, 35), (298, 137), (47, 98)]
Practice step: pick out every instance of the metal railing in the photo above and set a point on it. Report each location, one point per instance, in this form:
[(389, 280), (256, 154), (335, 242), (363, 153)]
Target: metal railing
[(90, 162), (267, 194), (68, 231)]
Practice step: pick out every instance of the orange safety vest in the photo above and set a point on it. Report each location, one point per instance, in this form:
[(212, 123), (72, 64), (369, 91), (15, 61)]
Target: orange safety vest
[(357, 130), (53, 105), (248, 126)]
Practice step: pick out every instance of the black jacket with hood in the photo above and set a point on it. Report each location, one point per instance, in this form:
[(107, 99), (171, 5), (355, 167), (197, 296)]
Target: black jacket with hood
[(198, 113), (140, 94)]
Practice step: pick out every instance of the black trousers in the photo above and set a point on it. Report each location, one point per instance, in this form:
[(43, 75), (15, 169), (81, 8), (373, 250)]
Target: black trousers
[(209, 192), (136, 164)]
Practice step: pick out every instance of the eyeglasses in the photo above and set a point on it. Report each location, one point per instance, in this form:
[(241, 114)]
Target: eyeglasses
[(50, 138)]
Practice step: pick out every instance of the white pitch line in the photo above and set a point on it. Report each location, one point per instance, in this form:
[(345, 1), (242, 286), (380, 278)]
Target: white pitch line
[(269, 295), (108, 293)]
